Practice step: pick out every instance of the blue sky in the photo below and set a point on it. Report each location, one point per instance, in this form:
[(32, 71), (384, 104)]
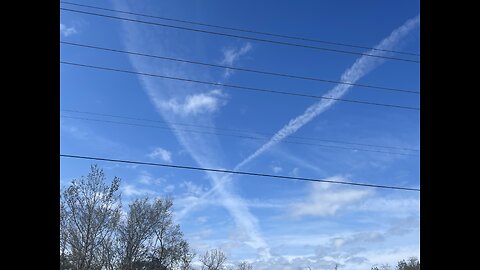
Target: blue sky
[(289, 224)]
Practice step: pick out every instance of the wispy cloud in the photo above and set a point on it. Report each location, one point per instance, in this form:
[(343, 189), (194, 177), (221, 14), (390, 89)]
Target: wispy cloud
[(231, 55), (394, 206), (294, 172), (194, 104), (353, 250), (147, 178), (90, 138), (298, 161), (192, 189), (74, 131), (169, 188), (67, 31), (202, 219), (160, 153), (130, 190), (277, 169), (176, 103), (326, 200), (366, 237), (360, 68)]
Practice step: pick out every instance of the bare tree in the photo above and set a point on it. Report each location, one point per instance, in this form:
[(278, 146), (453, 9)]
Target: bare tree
[(149, 239), (134, 232), (244, 266), (186, 257), (94, 235), (411, 264), (169, 244), (213, 260), (385, 267), (89, 214), (64, 262)]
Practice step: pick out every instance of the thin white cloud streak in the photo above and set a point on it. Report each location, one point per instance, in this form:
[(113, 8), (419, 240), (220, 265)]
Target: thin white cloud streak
[(360, 68), (231, 55), (206, 153)]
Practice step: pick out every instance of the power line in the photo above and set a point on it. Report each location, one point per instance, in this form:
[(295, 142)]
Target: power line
[(236, 135), (242, 30), (236, 130), (238, 172), (241, 37), (239, 69), (240, 87)]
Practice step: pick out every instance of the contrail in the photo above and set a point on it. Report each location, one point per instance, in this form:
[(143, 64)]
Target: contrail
[(206, 153), (360, 68)]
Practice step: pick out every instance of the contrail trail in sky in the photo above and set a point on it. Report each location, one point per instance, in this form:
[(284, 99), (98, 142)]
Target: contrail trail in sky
[(360, 68)]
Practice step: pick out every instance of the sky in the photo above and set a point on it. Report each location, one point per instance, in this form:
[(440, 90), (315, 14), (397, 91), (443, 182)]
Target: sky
[(272, 223)]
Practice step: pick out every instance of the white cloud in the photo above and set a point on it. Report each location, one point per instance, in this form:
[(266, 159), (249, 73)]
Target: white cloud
[(147, 179), (168, 189), (295, 171), (327, 256), (131, 190), (196, 104), (367, 237), (90, 139), (202, 219), (67, 31), (192, 195), (277, 169), (392, 206), (231, 55), (192, 189), (74, 131), (326, 200), (161, 154)]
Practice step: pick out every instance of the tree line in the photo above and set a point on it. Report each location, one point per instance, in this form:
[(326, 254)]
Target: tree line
[(96, 233)]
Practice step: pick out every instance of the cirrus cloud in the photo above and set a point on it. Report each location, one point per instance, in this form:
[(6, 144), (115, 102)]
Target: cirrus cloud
[(326, 200)]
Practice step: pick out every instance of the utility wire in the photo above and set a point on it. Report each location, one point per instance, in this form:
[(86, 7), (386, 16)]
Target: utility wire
[(241, 87), (238, 36), (241, 30), (235, 130), (238, 172), (235, 135), (239, 69)]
